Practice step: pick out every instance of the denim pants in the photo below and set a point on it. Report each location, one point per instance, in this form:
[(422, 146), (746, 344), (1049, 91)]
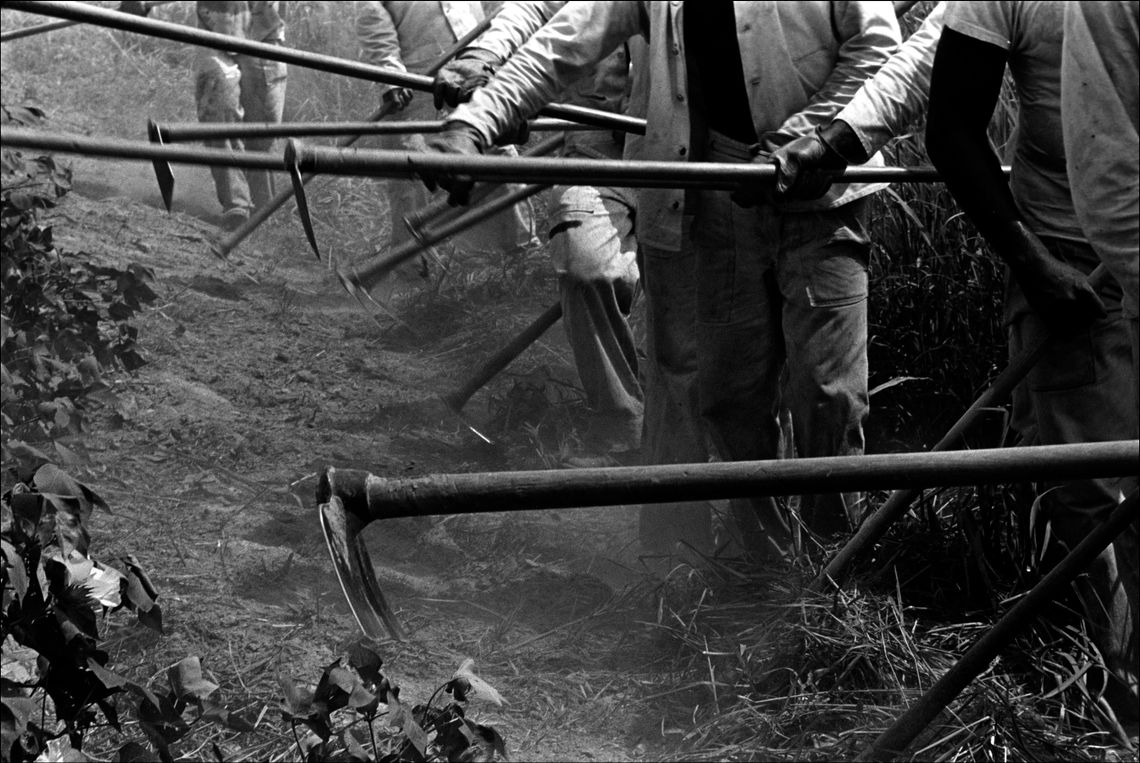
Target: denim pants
[(237, 88), (762, 291), (594, 252), (1083, 389)]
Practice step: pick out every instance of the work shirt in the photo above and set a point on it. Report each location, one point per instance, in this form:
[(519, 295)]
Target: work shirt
[(605, 88), (257, 21), (898, 94), (801, 62), (410, 36), (1100, 112), (1032, 33)]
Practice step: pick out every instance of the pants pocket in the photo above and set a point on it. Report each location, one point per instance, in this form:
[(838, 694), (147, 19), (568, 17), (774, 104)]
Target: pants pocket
[(838, 278)]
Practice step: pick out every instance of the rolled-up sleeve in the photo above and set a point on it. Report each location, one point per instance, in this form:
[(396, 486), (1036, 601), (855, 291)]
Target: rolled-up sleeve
[(378, 39), (514, 24), (557, 55), (869, 35), (898, 93), (1100, 111)]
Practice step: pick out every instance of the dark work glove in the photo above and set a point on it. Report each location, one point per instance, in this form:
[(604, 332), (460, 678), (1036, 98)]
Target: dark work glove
[(806, 167), (459, 139), (462, 76), (517, 135), (135, 8), (399, 97), (748, 196), (1058, 292)]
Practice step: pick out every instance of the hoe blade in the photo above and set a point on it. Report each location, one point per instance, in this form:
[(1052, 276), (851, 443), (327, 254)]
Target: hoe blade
[(162, 171), (355, 572)]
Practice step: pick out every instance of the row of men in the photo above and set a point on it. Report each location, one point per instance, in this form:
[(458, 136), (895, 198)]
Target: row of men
[(757, 300)]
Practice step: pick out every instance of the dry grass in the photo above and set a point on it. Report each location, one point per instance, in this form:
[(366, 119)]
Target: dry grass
[(783, 677)]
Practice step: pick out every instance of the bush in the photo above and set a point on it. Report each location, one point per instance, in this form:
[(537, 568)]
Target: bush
[(63, 320)]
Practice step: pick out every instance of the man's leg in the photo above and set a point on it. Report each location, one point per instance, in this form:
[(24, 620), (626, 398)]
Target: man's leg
[(823, 278), (1084, 390), (594, 253), (673, 432), (218, 96), (262, 100), (510, 231), (741, 352)]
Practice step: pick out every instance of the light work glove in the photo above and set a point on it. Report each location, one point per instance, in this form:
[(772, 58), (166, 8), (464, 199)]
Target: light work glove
[(459, 78), (459, 139), (398, 97), (1056, 291)]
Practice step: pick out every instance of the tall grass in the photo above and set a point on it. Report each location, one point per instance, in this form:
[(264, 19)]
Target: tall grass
[(936, 298)]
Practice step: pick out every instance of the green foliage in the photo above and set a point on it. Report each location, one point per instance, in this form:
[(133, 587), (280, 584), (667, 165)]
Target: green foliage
[(352, 688), (63, 320), (50, 591)]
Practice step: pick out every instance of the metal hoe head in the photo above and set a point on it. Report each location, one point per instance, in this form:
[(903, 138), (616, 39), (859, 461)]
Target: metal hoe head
[(355, 572), (162, 171)]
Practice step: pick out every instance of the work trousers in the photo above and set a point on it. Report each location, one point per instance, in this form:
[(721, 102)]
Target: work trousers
[(235, 89), (753, 293), (594, 251), (1083, 389), (508, 231)]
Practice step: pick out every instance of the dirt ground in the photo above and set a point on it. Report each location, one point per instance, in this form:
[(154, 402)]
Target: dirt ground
[(261, 372)]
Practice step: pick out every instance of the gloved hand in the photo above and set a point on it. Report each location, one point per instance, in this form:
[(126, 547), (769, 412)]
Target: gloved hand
[(806, 166), (134, 7), (398, 97), (463, 75), (516, 135), (460, 139), (748, 196), (1057, 292)]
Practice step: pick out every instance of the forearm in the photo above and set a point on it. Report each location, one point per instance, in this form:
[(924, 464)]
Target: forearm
[(514, 24), (376, 34), (561, 52), (965, 83), (897, 95), (870, 35)]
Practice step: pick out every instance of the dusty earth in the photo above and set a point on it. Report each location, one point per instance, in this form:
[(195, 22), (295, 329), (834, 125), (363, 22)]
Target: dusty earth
[(261, 372)]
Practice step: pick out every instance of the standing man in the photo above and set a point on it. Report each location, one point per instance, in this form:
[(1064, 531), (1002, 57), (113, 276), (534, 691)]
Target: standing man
[(410, 36), (591, 238), (1084, 388), (749, 290), (236, 88)]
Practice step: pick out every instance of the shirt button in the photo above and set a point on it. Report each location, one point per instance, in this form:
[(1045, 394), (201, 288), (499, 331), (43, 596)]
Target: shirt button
[(681, 97), (676, 205), (682, 150), (676, 49)]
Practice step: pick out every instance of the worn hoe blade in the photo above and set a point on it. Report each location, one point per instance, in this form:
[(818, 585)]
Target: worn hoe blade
[(355, 572)]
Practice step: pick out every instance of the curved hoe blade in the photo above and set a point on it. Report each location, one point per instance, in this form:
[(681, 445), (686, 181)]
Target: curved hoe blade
[(355, 572), (162, 171), (291, 161)]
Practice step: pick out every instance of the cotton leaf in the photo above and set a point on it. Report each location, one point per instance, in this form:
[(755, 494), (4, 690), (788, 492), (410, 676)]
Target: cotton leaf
[(478, 688), (186, 680), (105, 586), (17, 572)]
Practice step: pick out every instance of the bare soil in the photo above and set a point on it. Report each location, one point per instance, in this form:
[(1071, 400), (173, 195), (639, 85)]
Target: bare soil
[(261, 372)]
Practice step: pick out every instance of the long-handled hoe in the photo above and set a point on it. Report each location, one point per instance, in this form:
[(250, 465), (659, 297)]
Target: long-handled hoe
[(349, 499)]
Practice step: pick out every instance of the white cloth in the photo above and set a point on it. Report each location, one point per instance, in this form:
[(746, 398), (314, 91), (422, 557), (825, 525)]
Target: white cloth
[(1100, 111)]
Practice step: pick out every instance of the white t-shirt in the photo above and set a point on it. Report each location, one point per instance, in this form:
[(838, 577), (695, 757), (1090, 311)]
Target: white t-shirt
[(1032, 33)]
